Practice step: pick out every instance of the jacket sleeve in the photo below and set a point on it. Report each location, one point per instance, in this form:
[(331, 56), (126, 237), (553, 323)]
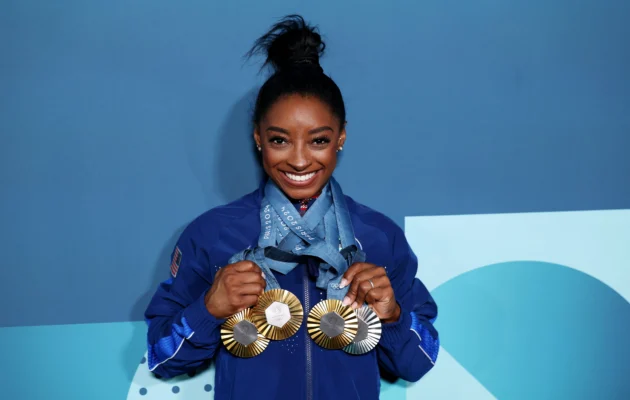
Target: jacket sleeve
[(409, 347), (182, 334)]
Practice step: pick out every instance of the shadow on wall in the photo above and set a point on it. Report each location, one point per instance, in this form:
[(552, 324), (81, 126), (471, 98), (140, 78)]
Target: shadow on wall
[(237, 165), (222, 159), (236, 171)]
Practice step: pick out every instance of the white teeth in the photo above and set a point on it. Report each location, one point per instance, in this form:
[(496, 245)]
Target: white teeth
[(300, 178)]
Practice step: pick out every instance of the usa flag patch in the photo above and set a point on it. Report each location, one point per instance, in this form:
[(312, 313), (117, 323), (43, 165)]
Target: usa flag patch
[(177, 259)]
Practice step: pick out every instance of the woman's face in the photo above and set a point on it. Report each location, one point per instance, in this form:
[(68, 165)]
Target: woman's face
[(299, 137)]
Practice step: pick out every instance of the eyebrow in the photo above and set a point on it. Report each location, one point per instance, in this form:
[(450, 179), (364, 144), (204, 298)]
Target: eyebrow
[(311, 132)]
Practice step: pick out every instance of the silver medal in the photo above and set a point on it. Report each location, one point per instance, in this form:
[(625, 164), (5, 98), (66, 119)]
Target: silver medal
[(368, 333)]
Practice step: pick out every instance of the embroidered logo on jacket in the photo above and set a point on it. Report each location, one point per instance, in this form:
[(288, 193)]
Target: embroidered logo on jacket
[(177, 259)]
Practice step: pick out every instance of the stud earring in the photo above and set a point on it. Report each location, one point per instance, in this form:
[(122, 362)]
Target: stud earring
[(259, 148), (339, 149)]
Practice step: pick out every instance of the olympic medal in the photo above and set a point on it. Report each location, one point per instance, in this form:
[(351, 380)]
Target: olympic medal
[(368, 334), (241, 337), (332, 325), (278, 314)]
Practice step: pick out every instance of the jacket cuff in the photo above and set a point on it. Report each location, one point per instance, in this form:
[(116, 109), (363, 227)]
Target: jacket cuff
[(396, 333), (204, 324)]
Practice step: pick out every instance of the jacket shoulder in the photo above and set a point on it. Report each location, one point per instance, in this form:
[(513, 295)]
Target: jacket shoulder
[(371, 218)]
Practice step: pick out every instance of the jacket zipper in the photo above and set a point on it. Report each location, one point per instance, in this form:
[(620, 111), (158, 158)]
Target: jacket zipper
[(309, 367)]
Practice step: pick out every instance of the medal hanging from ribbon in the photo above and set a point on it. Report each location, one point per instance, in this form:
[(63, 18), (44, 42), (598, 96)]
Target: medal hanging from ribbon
[(241, 337), (368, 332), (332, 325), (278, 314)]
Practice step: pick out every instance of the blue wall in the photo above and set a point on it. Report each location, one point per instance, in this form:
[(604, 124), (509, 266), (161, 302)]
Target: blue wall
[(121, 121)]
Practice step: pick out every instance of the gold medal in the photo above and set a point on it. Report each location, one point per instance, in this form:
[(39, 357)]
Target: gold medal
[(368, 334), (240, 336), (278, 314), (332, 325)]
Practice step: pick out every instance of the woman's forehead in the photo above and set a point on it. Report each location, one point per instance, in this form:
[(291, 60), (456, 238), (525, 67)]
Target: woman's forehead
[(297, 111)]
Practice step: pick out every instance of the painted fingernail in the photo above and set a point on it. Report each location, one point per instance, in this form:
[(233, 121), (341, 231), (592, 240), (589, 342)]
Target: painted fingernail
[(344, 283), (346, 301), (355, 305)]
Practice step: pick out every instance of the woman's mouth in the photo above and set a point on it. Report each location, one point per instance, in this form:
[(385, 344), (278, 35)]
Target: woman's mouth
[(300, 179)]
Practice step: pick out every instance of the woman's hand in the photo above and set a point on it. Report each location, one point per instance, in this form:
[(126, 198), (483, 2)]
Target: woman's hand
[(236, 287), (370, 284)]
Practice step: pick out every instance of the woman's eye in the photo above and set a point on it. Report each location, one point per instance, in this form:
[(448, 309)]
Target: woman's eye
[(321, 141), (277, 140)]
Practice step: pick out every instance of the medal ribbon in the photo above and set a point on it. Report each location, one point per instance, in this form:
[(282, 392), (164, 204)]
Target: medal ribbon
[(288, 238)]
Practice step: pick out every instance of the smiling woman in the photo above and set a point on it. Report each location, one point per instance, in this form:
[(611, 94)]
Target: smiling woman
[(299, 138), (244, 274), (300, 114)]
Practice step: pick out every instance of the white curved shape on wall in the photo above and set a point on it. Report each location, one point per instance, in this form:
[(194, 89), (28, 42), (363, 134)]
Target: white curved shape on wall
[(594, 242)]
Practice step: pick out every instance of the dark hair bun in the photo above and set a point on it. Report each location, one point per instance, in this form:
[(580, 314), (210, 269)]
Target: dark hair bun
[(290, 43)]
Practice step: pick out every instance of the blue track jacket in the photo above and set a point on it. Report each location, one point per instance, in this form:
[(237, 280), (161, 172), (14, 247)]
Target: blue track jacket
[(184, 336)]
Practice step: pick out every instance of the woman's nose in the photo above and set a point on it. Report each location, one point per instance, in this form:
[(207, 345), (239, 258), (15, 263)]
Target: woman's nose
[(299, 159)]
